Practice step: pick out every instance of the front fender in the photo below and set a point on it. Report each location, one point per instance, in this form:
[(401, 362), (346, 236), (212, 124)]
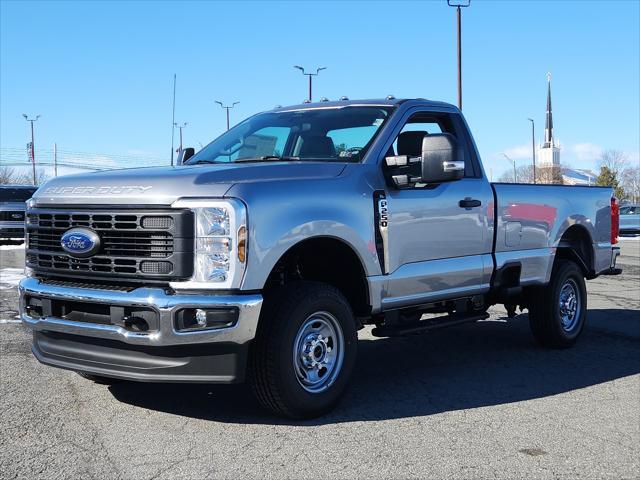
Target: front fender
[(283, 214)]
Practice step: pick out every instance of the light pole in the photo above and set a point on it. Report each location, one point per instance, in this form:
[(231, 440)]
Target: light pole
[(459, 4), (33, 146), (515, 178), (227, 108), (310, 75), (173, 117), (533, 146), (180, 127)]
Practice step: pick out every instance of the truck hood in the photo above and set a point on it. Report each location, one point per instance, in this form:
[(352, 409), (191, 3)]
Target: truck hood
[(164, 185)]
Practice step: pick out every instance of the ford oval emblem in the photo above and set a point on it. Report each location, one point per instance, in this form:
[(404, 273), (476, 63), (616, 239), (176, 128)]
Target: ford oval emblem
[(80, 242)]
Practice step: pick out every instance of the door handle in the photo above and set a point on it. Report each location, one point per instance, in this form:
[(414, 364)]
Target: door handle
[(469, 202)]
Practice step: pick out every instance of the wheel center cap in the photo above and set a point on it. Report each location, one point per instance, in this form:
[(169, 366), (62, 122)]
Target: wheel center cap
[(314, 350)]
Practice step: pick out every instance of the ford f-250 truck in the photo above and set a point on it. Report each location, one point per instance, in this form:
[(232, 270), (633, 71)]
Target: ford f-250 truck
[(262, 255)]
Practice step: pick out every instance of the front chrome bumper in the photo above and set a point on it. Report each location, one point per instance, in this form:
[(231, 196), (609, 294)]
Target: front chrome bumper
[(164, 304)]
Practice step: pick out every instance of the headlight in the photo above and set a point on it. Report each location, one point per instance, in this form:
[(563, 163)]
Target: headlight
[(220, 249)]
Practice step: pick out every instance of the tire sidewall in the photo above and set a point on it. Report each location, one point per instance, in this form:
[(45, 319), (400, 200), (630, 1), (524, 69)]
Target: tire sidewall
[(306, 402), (567, 271)]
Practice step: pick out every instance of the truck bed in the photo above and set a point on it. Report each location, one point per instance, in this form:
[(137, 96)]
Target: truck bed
[(530, 220)]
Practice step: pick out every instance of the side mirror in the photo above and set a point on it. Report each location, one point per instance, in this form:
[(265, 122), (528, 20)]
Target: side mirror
[(442, 160), (186, 154)]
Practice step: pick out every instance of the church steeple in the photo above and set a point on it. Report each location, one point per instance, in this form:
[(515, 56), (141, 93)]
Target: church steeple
[(549, 151), (548, 129)]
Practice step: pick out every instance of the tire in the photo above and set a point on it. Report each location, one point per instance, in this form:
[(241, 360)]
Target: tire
[(99, 379), (303, 323), (555, 325)]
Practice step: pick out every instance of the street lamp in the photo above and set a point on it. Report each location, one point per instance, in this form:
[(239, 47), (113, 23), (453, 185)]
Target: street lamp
[(227, 108), (515, 178), (459, 4), (33, 147), (310, 75), (533, 146), (180, 127)]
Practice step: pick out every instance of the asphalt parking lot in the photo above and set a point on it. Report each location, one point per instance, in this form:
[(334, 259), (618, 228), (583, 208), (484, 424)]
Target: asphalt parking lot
[(472, 401)]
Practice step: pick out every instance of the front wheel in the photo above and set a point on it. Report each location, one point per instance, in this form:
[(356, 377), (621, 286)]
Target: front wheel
[(304, 350), (557, 312)]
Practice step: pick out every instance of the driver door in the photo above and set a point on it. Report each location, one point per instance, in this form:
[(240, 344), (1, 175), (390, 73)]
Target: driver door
[(438, 248)]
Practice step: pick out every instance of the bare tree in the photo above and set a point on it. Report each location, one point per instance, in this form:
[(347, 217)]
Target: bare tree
[(615, 160), (7, 174), (524, 174), (631, 184), (10, 176), (612, 165)]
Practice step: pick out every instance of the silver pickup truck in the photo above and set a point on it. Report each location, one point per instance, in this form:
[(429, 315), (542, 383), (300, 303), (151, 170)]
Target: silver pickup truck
[(263, 254)]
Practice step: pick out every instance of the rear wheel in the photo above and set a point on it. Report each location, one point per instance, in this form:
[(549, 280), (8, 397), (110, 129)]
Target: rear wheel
[(557, 312), (304, 350)]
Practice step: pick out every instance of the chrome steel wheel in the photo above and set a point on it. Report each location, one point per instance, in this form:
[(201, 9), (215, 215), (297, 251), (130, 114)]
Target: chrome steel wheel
[(318, 352), (569, 304)]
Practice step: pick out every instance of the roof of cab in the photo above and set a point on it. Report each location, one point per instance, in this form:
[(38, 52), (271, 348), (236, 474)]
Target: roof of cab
[(385, 102)]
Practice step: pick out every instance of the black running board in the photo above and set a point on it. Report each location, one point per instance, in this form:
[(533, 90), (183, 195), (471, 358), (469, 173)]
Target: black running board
[(426, 325)]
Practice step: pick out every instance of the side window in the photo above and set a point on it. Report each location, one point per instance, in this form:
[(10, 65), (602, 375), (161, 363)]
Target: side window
[(409, 140), (424, 125)]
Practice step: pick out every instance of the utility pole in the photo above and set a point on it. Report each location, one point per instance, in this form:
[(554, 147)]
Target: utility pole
[(227, 108), (310, 75), (533, 146), (173, 117), (459, 5), (515, 178), (33, 145), (55, 159), (180, 127)]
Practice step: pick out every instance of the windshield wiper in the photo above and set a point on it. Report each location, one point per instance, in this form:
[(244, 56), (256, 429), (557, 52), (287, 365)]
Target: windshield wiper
[(268, 158), (199, 162)]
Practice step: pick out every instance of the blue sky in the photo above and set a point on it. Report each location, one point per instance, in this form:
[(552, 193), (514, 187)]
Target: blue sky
[(101, 73)]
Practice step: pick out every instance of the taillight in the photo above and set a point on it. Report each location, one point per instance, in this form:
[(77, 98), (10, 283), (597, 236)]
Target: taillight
[(615, 220)]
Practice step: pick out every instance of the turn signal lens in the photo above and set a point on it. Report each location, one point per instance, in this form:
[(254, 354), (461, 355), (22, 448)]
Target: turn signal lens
[(242, 244)]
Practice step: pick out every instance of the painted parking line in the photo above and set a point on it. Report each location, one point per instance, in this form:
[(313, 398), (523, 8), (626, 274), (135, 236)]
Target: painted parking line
[(3, 322)]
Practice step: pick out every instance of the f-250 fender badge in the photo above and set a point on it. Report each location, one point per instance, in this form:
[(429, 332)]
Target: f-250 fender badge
[(381, 216)]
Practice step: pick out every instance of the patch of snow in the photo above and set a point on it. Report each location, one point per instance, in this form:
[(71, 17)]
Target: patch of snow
[(10, 277), (12, 247), (2, 322)]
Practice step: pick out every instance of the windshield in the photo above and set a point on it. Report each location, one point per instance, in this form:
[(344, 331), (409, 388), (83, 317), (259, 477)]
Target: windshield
[(331, 134)]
